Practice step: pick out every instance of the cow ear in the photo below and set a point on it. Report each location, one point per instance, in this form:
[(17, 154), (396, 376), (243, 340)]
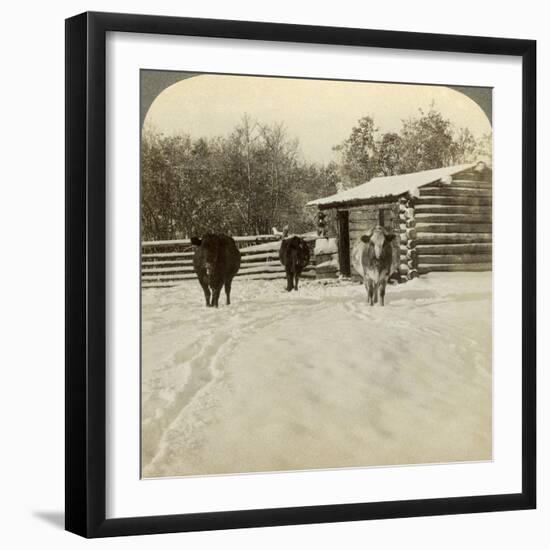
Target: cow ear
[(196, 241), (365, 238), (390, 237)]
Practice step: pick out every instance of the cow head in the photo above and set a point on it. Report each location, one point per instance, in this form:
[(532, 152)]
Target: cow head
[(378, 236), (210, 247)]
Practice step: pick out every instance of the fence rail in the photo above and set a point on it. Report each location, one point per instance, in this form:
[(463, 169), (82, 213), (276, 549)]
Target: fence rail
[(240, 240), (259, 260)]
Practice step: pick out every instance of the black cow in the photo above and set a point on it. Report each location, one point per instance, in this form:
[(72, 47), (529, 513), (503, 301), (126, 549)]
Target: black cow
[(372, 259), (217, 260), (294, 255)]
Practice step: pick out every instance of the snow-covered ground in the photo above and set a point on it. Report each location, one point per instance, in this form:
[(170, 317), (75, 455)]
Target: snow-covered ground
[(316, 378)]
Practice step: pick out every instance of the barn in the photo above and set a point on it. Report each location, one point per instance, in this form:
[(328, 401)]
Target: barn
[(442, 216)]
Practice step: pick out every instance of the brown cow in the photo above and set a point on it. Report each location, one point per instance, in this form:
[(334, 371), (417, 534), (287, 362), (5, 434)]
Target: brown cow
[(372, 259), (217, 260)]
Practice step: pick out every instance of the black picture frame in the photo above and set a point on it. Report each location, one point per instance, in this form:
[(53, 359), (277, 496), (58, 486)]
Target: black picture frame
[(86, 274)]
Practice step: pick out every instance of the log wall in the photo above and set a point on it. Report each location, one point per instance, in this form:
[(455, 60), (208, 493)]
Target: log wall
[(453, 224), (444, 227)]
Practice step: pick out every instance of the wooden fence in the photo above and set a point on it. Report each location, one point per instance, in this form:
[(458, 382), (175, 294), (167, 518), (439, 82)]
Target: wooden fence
[(166, 263)]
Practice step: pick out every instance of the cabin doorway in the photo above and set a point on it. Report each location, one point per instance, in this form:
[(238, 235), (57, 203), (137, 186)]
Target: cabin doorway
[(343, 243)]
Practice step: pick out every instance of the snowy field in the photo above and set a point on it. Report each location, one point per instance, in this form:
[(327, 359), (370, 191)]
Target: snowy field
[(316, 378)]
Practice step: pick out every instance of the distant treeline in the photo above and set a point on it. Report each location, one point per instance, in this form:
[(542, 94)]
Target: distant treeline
[(255, 178)]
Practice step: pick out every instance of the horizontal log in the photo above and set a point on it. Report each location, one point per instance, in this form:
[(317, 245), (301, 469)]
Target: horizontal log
[(454, 258), (459, 209), (473, 175), (159, 263), (242, 240), (266, 256), (272, 247), (168, 254), (473, 248), (275, 245), (270, 243), (189, 269), (246, 274), (452, 228), (362, 215), (454, 238), (387, 204), (169, 277), (453, 218), (463, 183), (252, 277), (454, 191), (270, 268), (455, 201), (272, 276), (473, 183), (167, 284), (427, 268), (251, 255), (189, 261), (180, 269)]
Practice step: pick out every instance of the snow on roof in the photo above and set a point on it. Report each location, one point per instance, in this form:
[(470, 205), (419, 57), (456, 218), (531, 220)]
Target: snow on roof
[(390, 186)]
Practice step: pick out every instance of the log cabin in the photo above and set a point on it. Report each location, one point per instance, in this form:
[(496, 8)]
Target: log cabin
[(443, 218)]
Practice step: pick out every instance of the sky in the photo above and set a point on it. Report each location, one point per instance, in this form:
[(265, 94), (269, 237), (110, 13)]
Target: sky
[(320, 113)]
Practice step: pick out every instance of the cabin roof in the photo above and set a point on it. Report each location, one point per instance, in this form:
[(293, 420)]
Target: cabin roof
[(390, 186)]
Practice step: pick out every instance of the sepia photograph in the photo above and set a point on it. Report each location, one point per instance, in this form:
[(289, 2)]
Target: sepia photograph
[(316, 274)]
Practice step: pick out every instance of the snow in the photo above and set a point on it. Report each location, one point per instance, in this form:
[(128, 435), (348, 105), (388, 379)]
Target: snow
[(392, 186), (328, 264), (316, 378), (326, 246)]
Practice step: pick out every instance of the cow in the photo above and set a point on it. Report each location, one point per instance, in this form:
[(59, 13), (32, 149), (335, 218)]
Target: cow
[(372, 258), (216, 261), (294, 255)]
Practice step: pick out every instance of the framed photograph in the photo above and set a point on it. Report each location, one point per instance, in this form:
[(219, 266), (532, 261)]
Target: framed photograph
[(300, 274)]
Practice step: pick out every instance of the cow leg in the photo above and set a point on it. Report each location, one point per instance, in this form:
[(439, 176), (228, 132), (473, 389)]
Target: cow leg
[(228, 291), (375, 292), (369, 285), (289, 283), (216, 295), (206, 290), (382, 290), (296, 277)]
